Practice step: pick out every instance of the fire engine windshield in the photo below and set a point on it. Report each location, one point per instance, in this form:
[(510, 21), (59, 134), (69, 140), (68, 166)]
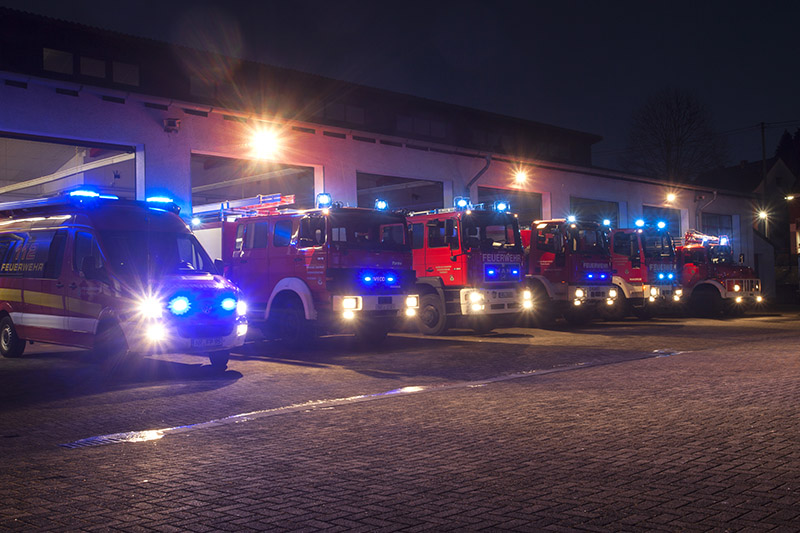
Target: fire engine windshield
[(150, 254), (587, 240), (366, 230), (490, 232), (658, 244), (721, 255)]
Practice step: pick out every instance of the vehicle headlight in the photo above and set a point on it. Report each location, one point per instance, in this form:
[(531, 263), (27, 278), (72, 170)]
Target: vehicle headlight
[(738, 299), (736, 288), (412, 301), (351, 303), (150, 307), (759, 299), (527, 295), (579, 293), (653, 291), (679, 292), (241, 308), (228, 304), (612, 293), (475, 297), (156, 332)]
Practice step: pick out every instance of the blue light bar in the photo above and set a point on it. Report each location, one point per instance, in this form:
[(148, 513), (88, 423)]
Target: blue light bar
[(85, 193), (179, 305), (324, 200), (571, 218), (461, 202), (381, 205), (501, 206), (196, 221), (661, 224), (639, 223), (606, 222), (724, 241), (160, 200), (109, 197)]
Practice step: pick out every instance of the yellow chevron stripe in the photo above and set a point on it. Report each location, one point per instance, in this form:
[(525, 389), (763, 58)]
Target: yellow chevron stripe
[(11, 295), (45, 299), (79, 306)]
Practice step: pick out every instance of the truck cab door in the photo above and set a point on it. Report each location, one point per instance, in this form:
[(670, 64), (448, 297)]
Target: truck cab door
[(437, 251), (311, 258)]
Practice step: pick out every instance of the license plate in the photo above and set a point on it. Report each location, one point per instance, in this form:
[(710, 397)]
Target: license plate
[(384, 307), (207, 342), (503, 294)]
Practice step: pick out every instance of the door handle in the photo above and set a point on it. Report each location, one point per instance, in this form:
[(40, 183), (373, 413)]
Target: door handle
[(429, 269), (73, 285), (59, 284)]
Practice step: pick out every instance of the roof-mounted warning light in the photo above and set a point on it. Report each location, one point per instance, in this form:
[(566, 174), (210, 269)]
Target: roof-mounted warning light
[(501, 206), (606, 222), (639, 222), (462, 202), (661, 224), (724, 240), (571, 218), (324, 200), (381, 205)]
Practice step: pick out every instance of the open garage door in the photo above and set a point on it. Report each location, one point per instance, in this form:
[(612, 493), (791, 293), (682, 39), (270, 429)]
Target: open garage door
[(401, 193), (221, 179), (35, 167), (528, 205)]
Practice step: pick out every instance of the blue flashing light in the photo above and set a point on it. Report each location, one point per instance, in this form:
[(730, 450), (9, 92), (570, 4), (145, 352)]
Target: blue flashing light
[(661, 224), (324, 200), (179, 305), (723, 241), (515, 271), (196, 221), (501, 206), (367, 279), (661, 276), (491, 272), (671, 275), (381, 205), (461, 202), (228, 304), (590, 276), (390, 279), (160, 200), (85, 193), (109, 197), (639, 223), (571, 218), (606, 222), (602, 276)]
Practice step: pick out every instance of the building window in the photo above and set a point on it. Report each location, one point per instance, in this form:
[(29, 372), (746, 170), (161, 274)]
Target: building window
[(594, 210), (672, 217), (57, 61), (714, 224), (125, 73), (93, 67)]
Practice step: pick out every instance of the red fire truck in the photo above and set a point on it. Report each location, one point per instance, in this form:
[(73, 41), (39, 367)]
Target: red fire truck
[(116, 276), (306, 272), (468, 262), (569, 269), (713, 281), (645, 270)]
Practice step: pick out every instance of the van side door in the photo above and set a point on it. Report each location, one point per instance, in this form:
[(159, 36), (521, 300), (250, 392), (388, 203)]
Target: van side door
[(87, 287)]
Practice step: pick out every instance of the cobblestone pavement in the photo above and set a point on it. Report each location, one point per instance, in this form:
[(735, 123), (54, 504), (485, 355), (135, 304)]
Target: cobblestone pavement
[(674, 425)]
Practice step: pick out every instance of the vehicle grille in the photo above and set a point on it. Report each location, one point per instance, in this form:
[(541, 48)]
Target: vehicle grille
[(197, 331), (749, 285)]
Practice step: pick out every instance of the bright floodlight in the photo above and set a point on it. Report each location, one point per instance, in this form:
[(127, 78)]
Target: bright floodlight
[(671, 197), (520, 176), (381, 205), (639, 223), (324, 200), (762, 215), (264, 143), (196, 221)]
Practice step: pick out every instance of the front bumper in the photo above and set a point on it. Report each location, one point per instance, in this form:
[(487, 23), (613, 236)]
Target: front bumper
[(592, 295), (165, 336), (349, 307), (482, 302)]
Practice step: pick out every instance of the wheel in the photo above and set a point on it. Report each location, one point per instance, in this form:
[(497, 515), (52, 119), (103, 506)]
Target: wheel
[(620, 309), (292, 327), (707, 303), (219, 360), (431, 319), (542, 315), (109, 342), (373, 332), (10, 343)]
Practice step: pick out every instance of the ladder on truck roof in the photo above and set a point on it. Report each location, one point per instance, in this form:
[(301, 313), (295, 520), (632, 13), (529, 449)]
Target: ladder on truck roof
[(245, 207)]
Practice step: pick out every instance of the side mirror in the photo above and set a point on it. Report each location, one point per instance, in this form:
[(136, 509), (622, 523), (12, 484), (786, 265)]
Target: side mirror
[(453, 258)]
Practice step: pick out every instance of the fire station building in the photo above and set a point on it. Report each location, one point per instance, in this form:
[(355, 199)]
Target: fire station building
[(139, 118)]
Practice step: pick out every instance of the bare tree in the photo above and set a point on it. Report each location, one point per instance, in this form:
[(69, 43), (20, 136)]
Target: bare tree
[(672, 138)]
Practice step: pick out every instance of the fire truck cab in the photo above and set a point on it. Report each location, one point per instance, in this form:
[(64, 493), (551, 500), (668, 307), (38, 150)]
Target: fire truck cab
[(713, 281), (116, 276), (569, 269), (644, 267), (468, 263), (306, 272)]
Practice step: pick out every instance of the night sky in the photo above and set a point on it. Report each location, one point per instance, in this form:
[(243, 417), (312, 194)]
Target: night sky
[(579, 65)]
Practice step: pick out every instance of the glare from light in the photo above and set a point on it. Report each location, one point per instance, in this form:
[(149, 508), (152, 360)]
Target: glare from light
[(652, 299), (475, 297), (520, 177), (527, 295), (381, 205), (639, 223), (661, 225), (612, 293), (150, 307), (609, 301), (653, 291), (412, 301), (571, 218), (759, 299), (739, 299), (477, 307), (677, 297), (410, 311), (679, 292), (790, 197), (577, 303), (156, 332), (348, 315), (241, 308), (349, 303), (606, 222), (179, 305), (241, 330), (762, 215), (527, 304), (265, 143), (736, 288)]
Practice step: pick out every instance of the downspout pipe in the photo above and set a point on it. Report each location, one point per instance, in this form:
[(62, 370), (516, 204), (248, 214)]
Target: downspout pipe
[(479, 174), (699, 212)]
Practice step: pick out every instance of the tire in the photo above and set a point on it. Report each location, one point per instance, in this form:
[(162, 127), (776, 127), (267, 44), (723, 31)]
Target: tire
[(292, 327), (10, 343), (707, 303), (109, 343), (543, 314), (219, 360), (431, 318)]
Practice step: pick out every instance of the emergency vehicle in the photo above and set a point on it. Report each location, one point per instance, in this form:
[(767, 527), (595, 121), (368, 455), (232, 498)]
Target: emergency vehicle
[(713, 281), (307, 272), (116, 276), (569, 269), (645, 270), (468, 262)]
